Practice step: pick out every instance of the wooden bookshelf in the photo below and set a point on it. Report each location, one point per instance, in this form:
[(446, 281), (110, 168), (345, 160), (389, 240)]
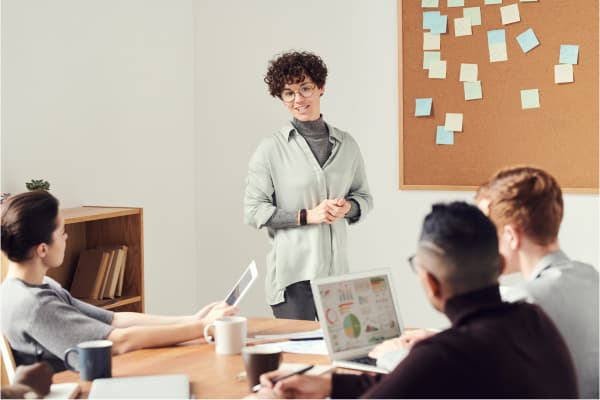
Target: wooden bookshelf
[(89, 227)]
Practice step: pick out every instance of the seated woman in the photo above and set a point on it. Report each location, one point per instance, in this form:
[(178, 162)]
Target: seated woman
[(41, 320)]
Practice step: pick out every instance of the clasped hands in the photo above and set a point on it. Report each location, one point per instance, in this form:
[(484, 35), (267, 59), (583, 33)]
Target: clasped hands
[(328, 211)]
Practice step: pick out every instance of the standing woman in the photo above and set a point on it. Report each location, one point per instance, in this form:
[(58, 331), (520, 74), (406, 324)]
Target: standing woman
[(304, 184)]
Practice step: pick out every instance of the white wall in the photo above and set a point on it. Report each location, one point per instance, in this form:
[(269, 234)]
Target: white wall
[(357, 39), (98, 100), (161, 103)]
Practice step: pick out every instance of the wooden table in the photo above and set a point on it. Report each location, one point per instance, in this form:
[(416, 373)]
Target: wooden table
[(211, 375)]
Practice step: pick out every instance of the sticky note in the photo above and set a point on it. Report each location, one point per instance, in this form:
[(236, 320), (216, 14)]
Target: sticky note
[(510, 14), (462, 27), (563, 73), (440, 25), (496, 36), (429, 57), (473, 90), (569, 53), (430, 3), (474, 14), (437, 70), (468, 72), (431, 41), (442, 136), (453, 122), (498, 52), (487, 2), (530, 98), (456, 3), (423, 107), (529, 1), (429, 18), (527, 40)]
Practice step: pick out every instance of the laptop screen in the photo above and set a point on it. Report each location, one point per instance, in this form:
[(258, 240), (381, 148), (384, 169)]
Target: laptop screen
[(358, 312)]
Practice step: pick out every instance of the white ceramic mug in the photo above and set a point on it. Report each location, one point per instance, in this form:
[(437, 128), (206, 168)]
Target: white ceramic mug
[(229, 334)]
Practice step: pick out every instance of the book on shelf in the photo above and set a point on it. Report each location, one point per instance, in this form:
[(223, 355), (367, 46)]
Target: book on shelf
[(88, 275), (107, 274), (114, 273), (119, 287)]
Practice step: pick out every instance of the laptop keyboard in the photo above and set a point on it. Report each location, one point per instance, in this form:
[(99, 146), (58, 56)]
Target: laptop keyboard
[(365, 360)]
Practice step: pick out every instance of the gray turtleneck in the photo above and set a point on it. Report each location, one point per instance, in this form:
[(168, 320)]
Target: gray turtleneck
[(316, 135)]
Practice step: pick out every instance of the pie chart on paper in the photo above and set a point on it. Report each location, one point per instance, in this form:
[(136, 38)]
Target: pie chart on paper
[(351, 326)]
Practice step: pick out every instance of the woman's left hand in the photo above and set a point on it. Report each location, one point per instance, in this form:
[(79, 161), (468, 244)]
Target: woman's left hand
[(338, 208)]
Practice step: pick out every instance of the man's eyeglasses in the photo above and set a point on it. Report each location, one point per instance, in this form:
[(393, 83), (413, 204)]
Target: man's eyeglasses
[(411, 262), (305, 91)]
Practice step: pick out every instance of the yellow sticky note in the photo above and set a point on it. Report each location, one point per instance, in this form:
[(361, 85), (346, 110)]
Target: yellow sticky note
[(437, 70), (563, 73), (462, 26), (453, 122), (431, 41), (510, 14)]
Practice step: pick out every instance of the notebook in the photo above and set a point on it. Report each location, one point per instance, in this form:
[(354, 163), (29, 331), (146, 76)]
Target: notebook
[(357, 311), (142, 387)]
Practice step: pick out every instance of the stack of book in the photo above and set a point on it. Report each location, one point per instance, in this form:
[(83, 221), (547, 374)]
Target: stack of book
[(99, 273)]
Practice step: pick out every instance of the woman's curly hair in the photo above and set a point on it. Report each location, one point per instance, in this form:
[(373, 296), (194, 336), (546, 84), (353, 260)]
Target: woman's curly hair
[(292, 67)]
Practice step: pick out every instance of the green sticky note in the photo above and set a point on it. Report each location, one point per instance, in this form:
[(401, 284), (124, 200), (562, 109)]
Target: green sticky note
[(429, 57), (430, 3), (487, 2), (442, 136), (423, 107), (456, 3), (473, 90), (474, 14), (530, 98)]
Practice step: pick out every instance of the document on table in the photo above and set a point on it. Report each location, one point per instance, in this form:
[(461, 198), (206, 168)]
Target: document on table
[(301, 347), (293, 335)]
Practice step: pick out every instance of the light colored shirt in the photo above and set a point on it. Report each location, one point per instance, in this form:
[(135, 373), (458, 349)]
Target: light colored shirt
[(43, 321), (283, 173), (568, 292)]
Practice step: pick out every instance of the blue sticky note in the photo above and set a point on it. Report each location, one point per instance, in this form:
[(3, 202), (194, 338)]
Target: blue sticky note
[(496, 36), (569, 53), (429, 18), (527, 40), (423, 107), (440, 25), (443, 136)]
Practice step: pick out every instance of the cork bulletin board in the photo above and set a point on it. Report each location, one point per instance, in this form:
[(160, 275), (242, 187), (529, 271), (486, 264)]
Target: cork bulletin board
[(560, 136)]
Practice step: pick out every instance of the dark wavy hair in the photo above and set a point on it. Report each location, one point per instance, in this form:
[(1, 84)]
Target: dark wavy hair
[(469, 242), (292, 67), (28, 219)]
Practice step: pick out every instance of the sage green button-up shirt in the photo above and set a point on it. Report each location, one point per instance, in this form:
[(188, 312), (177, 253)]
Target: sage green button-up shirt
[(283, 173)]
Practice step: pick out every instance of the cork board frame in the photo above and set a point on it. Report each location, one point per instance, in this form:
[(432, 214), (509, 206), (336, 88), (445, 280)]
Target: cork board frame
[(562, 136)]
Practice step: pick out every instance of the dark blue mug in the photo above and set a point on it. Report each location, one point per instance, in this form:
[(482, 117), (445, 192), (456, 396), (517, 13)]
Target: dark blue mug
[(95, 359)]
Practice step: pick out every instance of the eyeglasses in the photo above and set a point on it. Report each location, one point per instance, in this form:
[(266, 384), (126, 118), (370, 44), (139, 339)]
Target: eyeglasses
[(411, 262), (305, 91)]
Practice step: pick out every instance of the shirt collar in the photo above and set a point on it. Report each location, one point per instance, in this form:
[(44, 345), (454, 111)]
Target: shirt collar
[(547, 261), (288, 130), (461, 307)]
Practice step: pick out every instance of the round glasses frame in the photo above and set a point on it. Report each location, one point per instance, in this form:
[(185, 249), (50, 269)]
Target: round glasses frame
[(305, 91)]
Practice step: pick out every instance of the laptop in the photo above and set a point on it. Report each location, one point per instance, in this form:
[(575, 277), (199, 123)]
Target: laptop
[(142, 387), (357, 312)]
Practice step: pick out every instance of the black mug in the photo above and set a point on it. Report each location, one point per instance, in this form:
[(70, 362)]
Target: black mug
[(95, 359)]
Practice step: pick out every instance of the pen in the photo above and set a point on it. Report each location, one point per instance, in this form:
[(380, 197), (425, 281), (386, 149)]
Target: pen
[(306, 338), (257, 387)]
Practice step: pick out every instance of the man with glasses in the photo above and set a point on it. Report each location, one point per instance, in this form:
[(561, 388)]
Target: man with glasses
[(305, 183), (493, 349)]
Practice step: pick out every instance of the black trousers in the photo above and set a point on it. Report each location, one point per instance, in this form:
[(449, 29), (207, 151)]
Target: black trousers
[(298, 304)]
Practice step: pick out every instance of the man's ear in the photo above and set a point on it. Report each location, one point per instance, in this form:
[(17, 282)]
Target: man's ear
[(433, 286), (512, 235)]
